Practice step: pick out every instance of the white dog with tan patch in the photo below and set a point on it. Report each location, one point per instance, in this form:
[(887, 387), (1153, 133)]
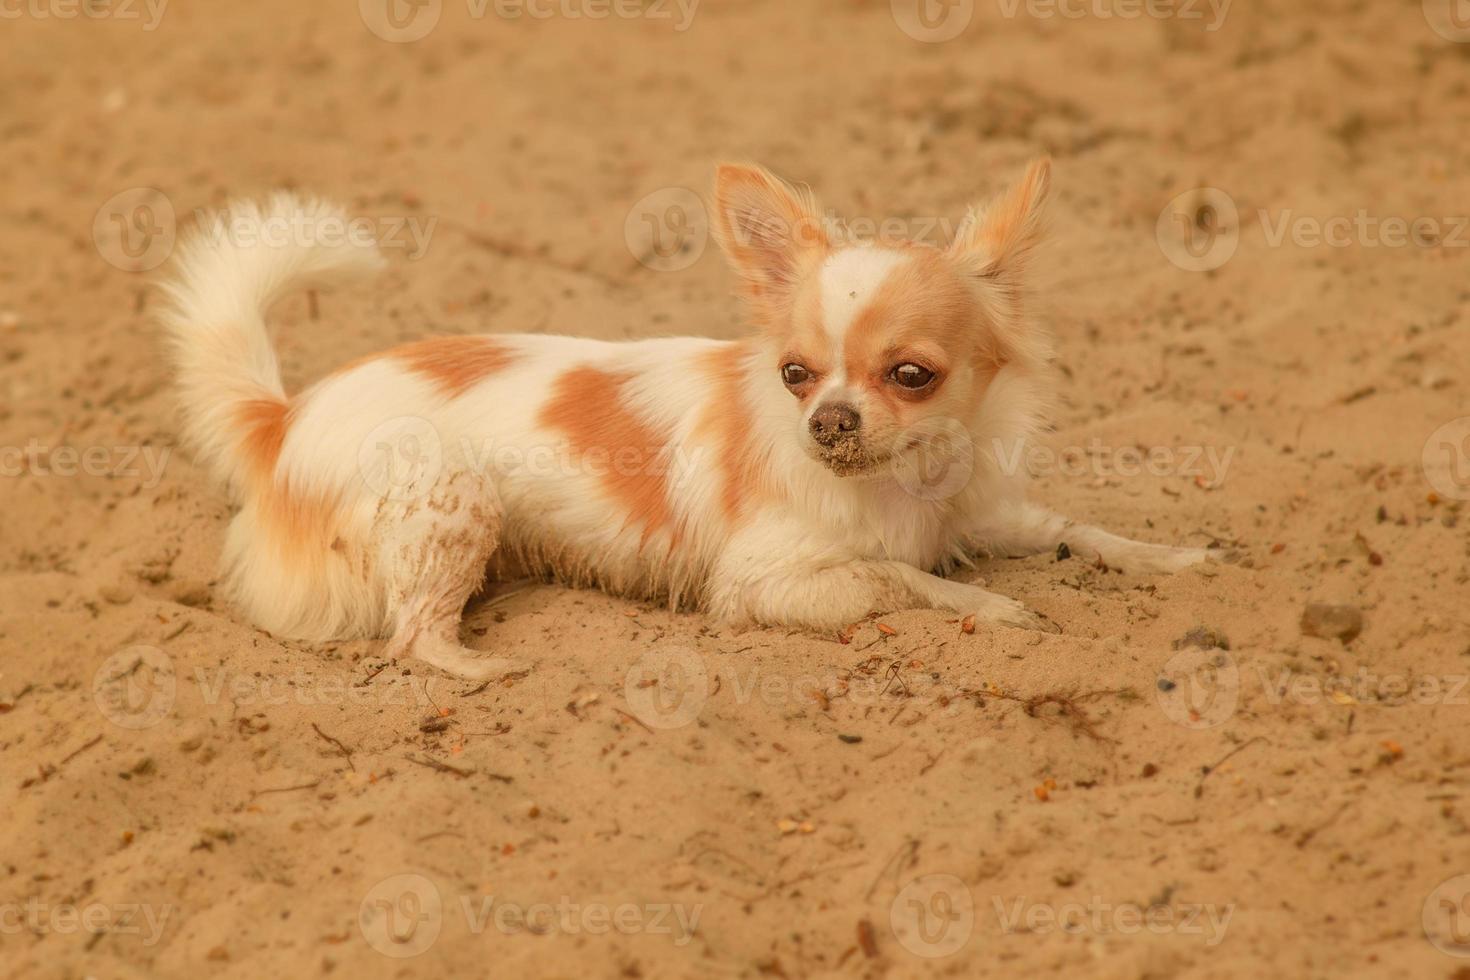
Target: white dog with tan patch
[(786, 478)]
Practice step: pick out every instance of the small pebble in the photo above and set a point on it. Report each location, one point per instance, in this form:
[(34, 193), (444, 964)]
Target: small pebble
[(1332, 622), (117, 594)]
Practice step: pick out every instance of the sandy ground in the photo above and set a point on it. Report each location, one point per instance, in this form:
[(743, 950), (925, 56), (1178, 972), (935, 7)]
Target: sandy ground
[(185, 795)]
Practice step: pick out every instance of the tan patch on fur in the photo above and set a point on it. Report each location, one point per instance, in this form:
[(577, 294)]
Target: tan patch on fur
[(454, 364), (302, 527), (586, 405), (923, 306), (726, 423), (263, 423)]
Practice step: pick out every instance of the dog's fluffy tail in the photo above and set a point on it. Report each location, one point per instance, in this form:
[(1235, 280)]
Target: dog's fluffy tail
[(232, 268)]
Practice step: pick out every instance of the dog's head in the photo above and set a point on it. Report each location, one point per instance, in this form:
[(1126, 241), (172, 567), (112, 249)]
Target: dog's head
[(879, 340)]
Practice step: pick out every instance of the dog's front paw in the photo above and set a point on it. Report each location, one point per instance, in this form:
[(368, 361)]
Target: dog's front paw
[(1005, 611)]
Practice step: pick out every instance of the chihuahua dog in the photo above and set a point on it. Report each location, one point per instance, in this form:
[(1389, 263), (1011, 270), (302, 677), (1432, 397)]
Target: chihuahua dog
[(838, 461)]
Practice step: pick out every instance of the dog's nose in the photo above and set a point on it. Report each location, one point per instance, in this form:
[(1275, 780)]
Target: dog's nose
[(833, 422)]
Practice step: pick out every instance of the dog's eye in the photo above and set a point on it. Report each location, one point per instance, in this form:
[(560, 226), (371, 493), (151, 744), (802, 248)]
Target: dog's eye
[(912, 376), (794, 374)]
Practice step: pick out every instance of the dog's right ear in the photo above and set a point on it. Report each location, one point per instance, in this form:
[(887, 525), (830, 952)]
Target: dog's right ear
[(771, 232)]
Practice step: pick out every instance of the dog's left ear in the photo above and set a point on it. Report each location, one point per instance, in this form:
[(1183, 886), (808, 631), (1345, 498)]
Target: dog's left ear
[(996, 241)]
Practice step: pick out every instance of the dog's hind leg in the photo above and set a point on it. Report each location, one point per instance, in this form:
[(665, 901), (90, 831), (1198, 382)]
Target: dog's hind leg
[(435, 548)]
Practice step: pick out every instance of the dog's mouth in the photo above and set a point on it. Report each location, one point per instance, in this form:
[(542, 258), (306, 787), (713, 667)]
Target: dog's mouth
[(849, 457)]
